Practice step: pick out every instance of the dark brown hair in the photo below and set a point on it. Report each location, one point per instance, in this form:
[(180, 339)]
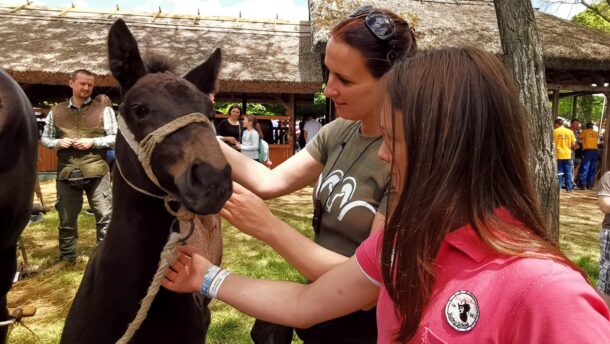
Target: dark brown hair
[(379, 54), (104, 99), (235, 106), (466, 158)]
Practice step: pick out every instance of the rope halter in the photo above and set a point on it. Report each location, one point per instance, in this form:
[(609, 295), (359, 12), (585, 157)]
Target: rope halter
[(144, 150)]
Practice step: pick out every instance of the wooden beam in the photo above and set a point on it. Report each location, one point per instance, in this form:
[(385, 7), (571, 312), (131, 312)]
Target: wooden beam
[(66, 10), (158, 14), (113, 12), (595, 89), (574, 103), (27, 3), (196, 18), (576, 94), (244, 103), (555, 103), (606, 151)]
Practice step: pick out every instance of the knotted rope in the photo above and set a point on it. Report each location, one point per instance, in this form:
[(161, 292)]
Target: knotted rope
[(144, 151)]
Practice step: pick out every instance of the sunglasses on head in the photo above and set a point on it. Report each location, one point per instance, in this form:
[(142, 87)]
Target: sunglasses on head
[(379, 23)]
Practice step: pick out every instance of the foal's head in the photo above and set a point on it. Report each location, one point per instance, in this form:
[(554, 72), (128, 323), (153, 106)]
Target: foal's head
[(188, 162)]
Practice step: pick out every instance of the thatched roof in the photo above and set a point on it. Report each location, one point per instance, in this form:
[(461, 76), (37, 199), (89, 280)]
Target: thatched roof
[(42, 46), (566, 45)]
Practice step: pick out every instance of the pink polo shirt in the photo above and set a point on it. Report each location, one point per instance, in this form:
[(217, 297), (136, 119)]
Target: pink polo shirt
[(481, 296)]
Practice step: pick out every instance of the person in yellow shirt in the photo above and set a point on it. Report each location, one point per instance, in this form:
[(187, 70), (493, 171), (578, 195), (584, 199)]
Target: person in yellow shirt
[(565, 141), (589, 138)]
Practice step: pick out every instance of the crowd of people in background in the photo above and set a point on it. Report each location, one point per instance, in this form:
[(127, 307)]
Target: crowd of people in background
[(577, 153)]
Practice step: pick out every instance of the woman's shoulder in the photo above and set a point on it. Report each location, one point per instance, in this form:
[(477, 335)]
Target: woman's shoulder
[(558, 302), (338, 128)]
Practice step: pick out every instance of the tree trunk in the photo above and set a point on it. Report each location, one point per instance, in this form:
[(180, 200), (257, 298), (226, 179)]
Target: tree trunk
[(523, 57)]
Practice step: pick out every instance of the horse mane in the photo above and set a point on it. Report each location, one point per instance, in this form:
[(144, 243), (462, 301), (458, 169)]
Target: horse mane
[(158, 63)]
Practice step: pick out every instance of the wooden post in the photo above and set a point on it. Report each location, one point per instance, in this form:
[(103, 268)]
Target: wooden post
[(244, 104), (574, 103), (606, 151), (291, 111), (555, 103)]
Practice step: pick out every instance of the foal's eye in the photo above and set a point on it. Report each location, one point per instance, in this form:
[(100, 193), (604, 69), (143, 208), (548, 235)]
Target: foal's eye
[(140, 110)]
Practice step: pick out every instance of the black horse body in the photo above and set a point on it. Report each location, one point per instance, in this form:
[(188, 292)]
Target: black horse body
[(18, 144), (119, 274), (189, 164)]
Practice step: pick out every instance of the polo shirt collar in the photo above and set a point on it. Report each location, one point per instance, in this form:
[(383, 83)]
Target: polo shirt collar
[(86, 102), (466, 239)]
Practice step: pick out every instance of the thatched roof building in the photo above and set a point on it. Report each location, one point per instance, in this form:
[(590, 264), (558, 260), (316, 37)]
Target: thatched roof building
[(39, 45), (573, 54)]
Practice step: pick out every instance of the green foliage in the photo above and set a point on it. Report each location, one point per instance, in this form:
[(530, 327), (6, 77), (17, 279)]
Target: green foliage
[(592, 19), (315, 110), (253, 108), (588, 108), (590, 266)]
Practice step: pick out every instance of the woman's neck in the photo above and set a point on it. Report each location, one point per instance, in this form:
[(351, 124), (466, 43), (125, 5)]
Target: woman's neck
[(233, 121), (370, 126)]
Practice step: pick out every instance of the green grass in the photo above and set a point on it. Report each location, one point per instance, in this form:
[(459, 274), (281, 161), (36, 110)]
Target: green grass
[(52, 291)]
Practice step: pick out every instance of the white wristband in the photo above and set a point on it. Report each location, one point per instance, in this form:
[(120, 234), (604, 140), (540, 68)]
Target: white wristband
[(217, 282)]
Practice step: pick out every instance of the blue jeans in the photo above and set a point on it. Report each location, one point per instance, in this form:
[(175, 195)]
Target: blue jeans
[(587, 168), (565, 166)]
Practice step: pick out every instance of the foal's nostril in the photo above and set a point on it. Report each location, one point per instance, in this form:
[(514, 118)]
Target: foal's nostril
[(195, 175), (204, 188), (205, 178)]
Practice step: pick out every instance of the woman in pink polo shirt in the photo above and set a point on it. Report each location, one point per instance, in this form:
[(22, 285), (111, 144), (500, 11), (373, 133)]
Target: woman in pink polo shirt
[(465, 255)]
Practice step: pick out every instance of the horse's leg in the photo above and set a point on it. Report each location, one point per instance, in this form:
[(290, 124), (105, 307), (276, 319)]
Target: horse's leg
[(8, 262)]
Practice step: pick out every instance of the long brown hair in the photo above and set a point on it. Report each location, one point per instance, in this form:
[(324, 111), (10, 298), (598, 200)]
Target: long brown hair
[(354, 32), (466, 157)]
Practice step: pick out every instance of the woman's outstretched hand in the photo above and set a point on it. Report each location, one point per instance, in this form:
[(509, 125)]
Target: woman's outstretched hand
[(248, 213), (185, 275)]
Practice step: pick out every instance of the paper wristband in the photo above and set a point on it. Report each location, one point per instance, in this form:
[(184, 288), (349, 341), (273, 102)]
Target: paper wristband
[(209, 276), (217, 282)]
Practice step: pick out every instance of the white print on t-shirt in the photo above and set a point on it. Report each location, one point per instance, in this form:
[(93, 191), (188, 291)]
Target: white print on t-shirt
[(343, 193)]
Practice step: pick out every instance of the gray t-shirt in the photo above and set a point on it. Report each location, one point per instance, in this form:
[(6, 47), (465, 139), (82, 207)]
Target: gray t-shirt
[(356, 180), (604, 191)]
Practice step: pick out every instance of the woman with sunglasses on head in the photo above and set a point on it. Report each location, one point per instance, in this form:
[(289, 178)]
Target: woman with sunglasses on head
[(350, 193), (469, 261)]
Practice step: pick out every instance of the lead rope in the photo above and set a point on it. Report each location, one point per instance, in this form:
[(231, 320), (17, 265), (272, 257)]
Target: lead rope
[(144, 152), (168, 255)]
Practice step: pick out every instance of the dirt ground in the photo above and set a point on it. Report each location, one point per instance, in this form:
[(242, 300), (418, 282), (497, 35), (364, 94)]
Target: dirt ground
[(580, 221)]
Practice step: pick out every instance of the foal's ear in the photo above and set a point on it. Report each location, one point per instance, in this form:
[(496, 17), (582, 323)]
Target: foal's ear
[(124, 57), (205, 75)]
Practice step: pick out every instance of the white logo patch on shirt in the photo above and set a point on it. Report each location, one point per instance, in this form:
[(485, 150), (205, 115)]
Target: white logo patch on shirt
[(462, 311)]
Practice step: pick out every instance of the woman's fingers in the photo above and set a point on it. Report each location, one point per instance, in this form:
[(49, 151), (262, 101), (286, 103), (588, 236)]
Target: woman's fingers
[(189, 250), (171, 275)]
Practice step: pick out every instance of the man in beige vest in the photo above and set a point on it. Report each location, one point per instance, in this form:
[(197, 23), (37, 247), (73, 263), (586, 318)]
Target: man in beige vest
[(81, 130)]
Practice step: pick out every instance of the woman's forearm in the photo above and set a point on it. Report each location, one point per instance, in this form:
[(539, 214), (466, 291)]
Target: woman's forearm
[(294, 174), (309, 258), (341, 291)]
